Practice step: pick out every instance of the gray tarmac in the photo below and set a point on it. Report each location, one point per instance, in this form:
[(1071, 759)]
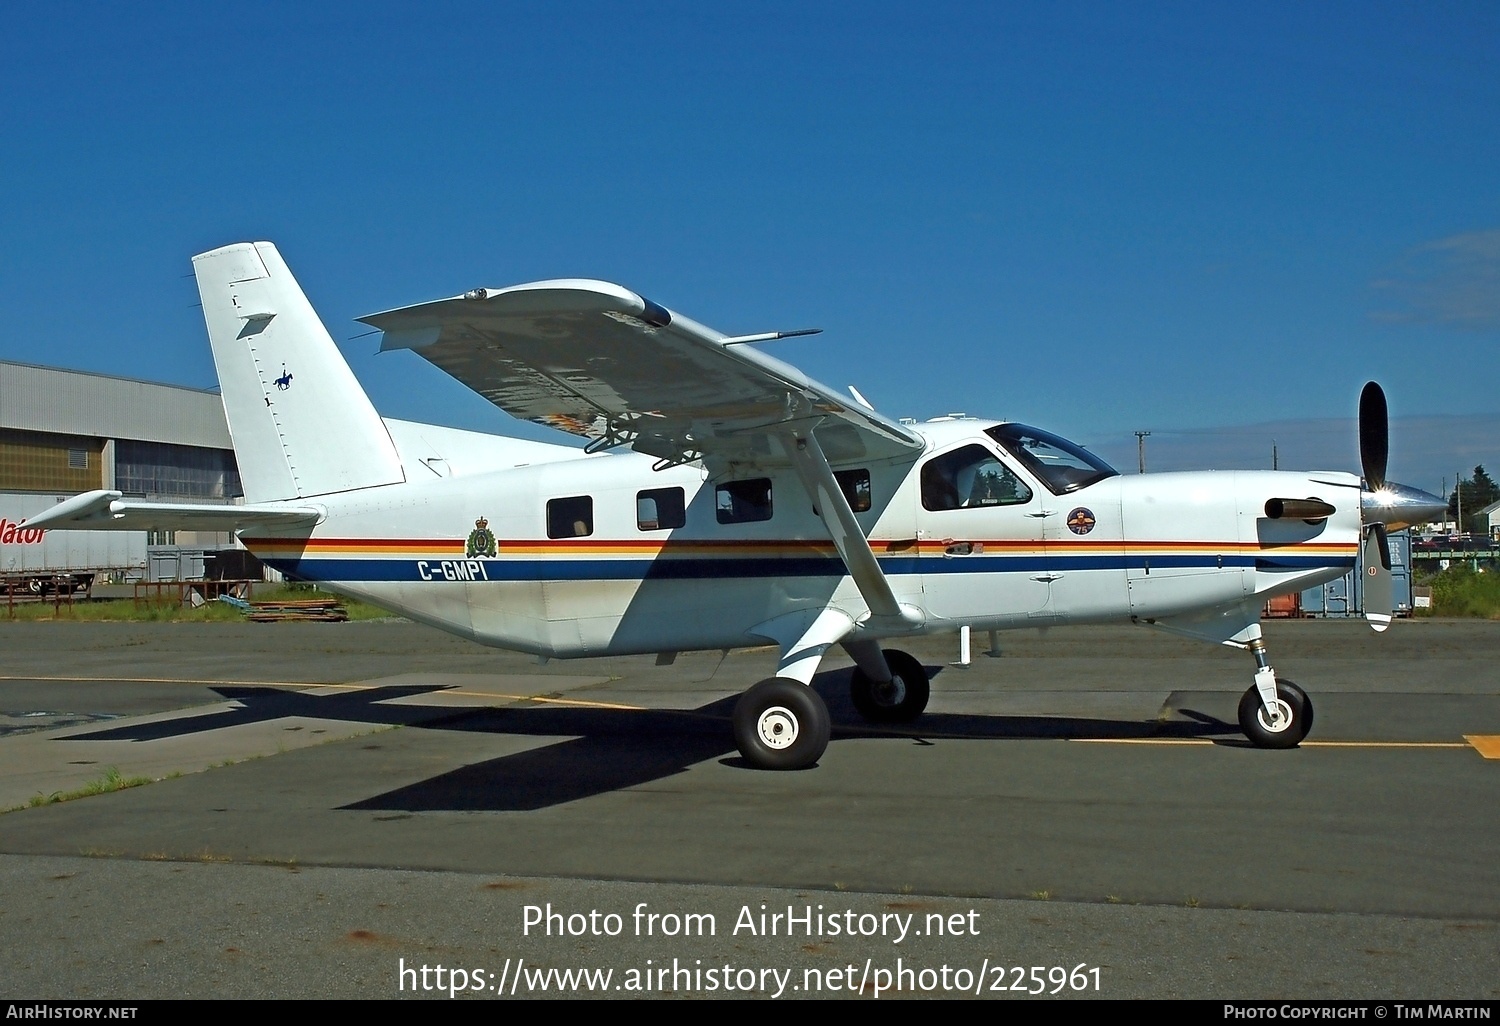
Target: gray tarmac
[(338, 807)]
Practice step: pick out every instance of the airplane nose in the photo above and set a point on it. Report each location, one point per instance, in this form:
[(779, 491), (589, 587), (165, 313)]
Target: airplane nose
[(1398, 506)]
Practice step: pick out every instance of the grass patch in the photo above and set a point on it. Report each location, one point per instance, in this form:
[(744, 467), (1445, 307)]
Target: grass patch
[(129, 611), (126, 611), (1461, 591), (113, 780)]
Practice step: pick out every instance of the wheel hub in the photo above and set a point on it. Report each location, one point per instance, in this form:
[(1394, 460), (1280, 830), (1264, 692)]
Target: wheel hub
[(1282, 720), (777, 727), (892, 692)]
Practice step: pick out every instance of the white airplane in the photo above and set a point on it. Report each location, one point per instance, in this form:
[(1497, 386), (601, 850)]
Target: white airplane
[(755, 504)]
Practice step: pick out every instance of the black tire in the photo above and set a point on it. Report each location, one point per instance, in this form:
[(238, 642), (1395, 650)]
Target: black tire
[(900, 701), (1258, 728), (781, 724)]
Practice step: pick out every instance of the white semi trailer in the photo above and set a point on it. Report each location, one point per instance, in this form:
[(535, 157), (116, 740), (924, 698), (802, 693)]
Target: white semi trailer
[(39, 562)]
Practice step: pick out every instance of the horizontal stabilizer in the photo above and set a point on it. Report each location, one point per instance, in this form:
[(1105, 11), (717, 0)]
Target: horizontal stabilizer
[(106, 510)]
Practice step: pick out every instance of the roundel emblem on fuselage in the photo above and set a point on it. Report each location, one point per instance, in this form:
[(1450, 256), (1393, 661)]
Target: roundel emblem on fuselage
[(1081, 520)]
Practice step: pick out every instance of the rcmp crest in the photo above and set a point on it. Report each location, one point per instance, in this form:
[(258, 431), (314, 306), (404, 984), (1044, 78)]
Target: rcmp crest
[(481, 540), (1081, 520)]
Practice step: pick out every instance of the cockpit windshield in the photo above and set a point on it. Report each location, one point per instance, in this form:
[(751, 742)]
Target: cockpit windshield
[(1061, 465)]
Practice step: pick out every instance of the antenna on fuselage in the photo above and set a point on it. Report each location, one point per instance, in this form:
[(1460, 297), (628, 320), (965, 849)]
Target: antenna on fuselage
[(769, 336)]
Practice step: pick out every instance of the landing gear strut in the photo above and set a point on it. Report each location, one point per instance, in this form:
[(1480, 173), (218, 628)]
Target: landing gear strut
[(1274, 713)]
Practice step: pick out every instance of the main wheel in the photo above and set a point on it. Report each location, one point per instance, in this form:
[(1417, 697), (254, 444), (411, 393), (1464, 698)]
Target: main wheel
[(900, 700), (1285, 731), (781, 724)]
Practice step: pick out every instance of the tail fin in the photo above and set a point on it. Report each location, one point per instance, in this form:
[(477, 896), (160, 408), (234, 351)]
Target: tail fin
[(301, 424)]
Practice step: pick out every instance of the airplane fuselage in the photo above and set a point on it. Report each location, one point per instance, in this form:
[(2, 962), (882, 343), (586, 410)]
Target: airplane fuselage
[(573, 555)]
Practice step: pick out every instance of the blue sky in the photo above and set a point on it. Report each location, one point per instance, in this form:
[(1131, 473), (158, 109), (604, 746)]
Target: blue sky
[(1099, 218)]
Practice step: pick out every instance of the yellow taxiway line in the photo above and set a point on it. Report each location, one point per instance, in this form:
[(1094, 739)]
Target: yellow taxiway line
[(447, 690), (1487, 745), (169, 680)]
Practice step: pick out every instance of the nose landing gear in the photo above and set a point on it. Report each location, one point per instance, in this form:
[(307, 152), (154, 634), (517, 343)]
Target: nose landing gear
[(1287, 726), (1274, 713)]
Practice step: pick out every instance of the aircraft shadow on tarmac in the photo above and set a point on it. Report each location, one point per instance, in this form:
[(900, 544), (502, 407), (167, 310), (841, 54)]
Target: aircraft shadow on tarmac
[(259, 704), (609, 749)]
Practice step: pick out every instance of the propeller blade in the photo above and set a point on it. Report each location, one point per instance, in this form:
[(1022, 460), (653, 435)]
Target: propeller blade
[(1374, 435), (1379, 587)]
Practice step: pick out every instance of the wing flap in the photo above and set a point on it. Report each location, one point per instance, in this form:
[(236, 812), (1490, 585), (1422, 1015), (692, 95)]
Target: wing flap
[(600, 361)]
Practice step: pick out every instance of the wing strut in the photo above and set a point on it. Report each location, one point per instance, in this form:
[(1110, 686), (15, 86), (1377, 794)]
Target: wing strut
[(848, 537)]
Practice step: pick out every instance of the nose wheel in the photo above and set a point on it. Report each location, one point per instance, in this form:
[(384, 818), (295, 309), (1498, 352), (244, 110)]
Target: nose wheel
[(1285, 724), (781, 724)]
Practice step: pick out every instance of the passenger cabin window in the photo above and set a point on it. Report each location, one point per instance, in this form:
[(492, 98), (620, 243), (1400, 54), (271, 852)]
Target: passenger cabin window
[(572, 517), (855, 484), (743, 502), (970, 477), (660, 509)]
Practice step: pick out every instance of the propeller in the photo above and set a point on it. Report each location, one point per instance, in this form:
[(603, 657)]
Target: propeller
[(1380, 586), (1374, 451), (1383, 506), (1374, 435)]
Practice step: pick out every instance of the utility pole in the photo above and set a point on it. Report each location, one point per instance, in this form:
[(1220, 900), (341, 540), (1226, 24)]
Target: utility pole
[(1274, 463), (1140, 446)]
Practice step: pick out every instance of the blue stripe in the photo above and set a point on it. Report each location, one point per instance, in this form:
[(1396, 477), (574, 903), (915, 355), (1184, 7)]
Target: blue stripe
[(756, 568)]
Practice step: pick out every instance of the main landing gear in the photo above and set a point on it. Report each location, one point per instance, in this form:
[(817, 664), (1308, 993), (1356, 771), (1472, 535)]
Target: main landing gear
[(1274, 713), (900, 699), (783, 724)]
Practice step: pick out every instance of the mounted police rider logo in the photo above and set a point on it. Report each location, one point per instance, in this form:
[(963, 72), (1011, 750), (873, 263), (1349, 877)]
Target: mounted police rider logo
[(1081, 520), (481, 540)]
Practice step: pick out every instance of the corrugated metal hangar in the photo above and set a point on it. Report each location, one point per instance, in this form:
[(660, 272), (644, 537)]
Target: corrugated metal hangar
[(63, 432)]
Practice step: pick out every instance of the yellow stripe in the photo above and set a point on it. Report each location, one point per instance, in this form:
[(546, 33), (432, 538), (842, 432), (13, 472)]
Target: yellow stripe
[(1384, 744), (1305, 744), (1487, 745), (1141, 741), (174, 680), (540, 699)]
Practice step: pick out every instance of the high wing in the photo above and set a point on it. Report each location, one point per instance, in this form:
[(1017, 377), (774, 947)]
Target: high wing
[(597, 360), (106, 510), (601, 361)]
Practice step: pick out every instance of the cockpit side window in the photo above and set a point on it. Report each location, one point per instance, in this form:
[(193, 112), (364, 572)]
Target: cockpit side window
[(970, 477), (1058, 463)]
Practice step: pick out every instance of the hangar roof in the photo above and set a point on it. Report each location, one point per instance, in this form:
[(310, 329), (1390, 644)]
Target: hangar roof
[(49, 399)]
